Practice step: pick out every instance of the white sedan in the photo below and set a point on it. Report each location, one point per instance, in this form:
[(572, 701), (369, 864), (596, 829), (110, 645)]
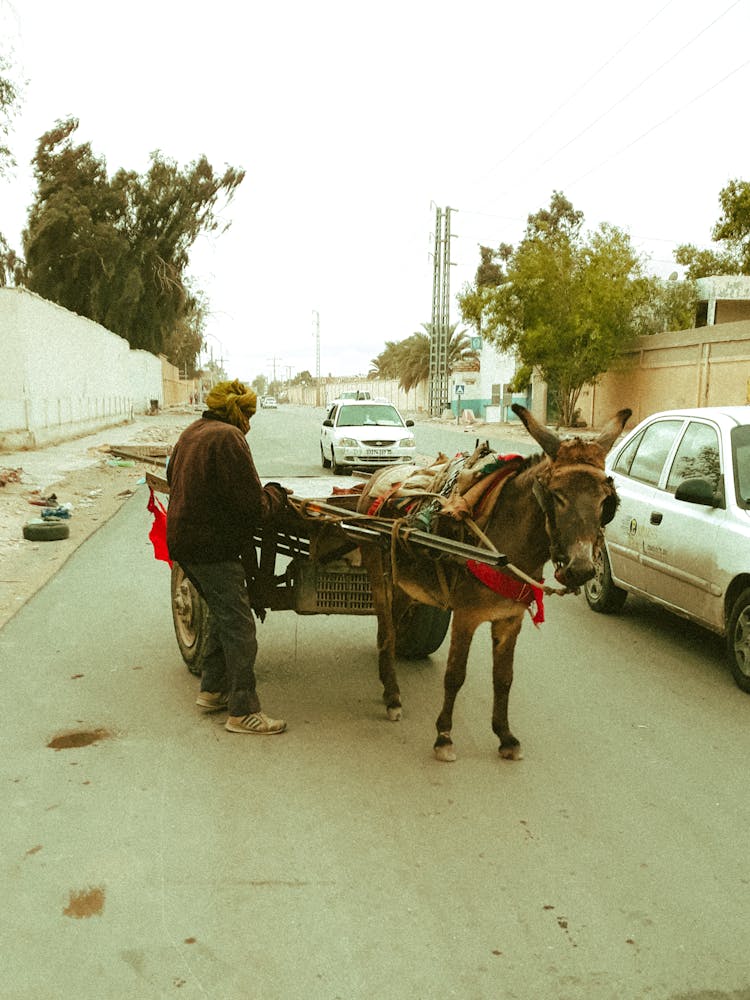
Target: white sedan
[(364, 434), (681, 536)]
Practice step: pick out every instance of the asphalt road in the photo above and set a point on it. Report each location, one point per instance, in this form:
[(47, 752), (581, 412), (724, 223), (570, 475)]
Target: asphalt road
[(340, 860)]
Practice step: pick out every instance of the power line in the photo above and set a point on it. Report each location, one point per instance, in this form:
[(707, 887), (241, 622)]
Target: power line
[(638, 86), (577, 91), (659, 124)]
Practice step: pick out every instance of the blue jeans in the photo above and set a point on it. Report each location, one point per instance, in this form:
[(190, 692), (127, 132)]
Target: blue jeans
[(231, 647)]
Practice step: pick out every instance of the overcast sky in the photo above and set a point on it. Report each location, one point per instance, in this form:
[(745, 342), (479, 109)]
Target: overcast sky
[(353, 120)]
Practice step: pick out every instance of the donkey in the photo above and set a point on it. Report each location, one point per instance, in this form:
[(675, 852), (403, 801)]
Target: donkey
[(551, 507)]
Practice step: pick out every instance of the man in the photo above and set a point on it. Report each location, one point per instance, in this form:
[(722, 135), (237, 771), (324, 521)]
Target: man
[(215, 501)]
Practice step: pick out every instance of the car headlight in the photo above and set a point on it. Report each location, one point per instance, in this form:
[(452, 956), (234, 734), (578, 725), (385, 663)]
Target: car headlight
[(408, 442), (348, 443)]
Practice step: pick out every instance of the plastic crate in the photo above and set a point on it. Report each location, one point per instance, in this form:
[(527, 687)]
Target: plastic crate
[(335, 589)]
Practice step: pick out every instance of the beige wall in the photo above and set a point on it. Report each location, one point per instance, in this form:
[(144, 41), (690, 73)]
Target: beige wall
[(709, 366), (177, 391), (731, 311)]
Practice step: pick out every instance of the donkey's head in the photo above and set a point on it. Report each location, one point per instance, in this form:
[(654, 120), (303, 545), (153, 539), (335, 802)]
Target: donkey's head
[(576, 495)]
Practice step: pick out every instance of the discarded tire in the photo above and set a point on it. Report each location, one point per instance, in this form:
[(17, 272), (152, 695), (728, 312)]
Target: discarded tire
[(45, 531)]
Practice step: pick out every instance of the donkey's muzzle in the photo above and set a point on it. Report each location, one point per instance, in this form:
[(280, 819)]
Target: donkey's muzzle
[(578, 569)]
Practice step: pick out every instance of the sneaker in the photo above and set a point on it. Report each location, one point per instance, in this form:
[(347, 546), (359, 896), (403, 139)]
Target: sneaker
[(211, 702), (257, 723)]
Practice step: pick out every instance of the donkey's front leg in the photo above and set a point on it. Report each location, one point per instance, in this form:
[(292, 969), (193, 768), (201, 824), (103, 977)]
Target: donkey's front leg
[(504, 635), (455, 675)]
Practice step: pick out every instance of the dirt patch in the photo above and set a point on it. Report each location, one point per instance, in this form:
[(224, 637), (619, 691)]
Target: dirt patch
[(78, 738), (85, 903)]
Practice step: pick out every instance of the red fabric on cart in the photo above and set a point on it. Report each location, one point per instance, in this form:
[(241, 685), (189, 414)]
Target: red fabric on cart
[(158, 533)]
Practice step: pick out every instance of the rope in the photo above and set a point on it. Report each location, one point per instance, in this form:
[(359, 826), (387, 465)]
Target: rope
[(560, 591)]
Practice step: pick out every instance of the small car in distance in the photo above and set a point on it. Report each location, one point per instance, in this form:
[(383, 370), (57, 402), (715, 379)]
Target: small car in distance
[(681, 535), (353, 394), (268, 403), (364, 434)]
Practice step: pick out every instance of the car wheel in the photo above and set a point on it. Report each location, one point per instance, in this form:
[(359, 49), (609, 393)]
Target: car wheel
[(738, 641), (601, 594), (190, 619), (337, 469), (420, 630), (325, 462)]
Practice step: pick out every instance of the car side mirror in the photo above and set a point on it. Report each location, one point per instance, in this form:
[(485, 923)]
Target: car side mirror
[(327, 423), (697, 490), (409, 423)]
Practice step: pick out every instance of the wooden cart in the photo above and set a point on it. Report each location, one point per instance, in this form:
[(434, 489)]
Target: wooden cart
[(307, 561)]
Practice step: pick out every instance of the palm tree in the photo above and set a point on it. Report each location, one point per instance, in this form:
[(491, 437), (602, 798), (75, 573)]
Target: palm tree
[(386, 364), (409, 360)]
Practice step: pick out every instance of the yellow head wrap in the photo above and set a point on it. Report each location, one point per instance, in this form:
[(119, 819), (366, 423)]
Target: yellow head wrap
[(232, 400)]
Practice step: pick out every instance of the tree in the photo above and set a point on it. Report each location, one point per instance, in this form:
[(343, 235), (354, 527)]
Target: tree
[(473, 299), (732, 231), (567, 305), (666, 305), (10, 263), (9, 99), (389, 363), (117, 250), (186, 339), (409, 360)]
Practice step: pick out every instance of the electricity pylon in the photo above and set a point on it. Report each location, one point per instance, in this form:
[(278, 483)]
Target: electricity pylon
[(439, 397)]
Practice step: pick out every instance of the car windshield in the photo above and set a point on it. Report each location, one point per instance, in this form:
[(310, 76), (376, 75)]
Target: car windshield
[(741, 462), (368, 416)]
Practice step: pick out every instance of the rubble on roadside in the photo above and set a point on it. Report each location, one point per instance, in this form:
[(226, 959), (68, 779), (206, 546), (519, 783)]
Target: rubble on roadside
[(10, 476)]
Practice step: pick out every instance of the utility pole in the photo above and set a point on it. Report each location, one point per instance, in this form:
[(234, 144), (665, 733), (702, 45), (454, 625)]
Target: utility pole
[(316, 334), (273, 362), (440, 326)]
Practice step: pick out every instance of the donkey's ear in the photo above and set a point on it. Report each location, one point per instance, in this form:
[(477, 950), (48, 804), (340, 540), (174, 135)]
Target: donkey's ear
[(612, 429), (549, 442)]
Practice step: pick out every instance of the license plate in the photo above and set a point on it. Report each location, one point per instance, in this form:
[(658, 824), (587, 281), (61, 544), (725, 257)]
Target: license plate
[(378, 452)]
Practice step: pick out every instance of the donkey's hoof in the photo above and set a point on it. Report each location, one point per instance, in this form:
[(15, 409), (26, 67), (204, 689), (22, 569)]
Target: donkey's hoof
[(510, 751), (394, 713), (444, 749)]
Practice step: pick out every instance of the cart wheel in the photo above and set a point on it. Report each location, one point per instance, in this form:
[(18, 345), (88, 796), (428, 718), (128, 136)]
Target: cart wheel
[(420, 630), (190, 617)]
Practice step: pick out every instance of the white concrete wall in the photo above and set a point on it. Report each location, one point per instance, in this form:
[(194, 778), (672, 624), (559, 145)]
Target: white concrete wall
[(64, 375), (13, 398), (414, 401), (145, 380), (723, 286)]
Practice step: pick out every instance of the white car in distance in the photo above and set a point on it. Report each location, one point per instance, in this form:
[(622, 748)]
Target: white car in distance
[(364, 434)]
